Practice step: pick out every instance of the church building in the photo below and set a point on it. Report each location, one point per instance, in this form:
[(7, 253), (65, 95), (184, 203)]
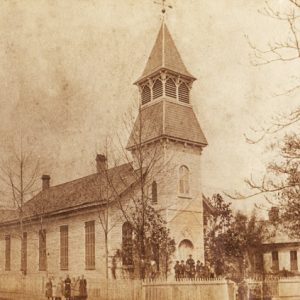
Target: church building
[(62, 233)]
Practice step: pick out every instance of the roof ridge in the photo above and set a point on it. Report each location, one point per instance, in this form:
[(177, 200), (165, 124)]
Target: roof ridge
[(84, 177)]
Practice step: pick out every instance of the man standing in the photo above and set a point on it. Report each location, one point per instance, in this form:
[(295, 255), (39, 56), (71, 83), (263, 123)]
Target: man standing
[(190, 261), (182, 269), (83, 288), (190, 265), (198, 269), (68, 288), (177, 268), (49, 289)]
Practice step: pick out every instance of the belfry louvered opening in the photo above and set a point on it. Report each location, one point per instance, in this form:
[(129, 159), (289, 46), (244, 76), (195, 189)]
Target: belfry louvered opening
[(146, 94), (170, 88), (184, 93), (157, 89)]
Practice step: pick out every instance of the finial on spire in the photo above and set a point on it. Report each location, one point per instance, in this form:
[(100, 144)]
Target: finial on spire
[(164, 6)]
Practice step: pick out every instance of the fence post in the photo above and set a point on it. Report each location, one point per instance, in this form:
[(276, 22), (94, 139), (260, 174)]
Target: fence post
[(143, 290)]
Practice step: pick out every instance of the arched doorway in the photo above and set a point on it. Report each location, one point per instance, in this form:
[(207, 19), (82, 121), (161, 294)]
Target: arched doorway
[(185, 248)]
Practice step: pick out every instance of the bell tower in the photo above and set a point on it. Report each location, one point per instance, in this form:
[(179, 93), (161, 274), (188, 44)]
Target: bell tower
[(171, 128)]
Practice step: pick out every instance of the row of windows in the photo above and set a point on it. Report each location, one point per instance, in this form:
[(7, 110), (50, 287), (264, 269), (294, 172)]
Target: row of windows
[(293, 261), (64, 248), (127, 247), (170, 91)]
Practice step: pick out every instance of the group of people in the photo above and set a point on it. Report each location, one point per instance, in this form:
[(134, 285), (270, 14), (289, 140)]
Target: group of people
[(75, 289), (192, 270)]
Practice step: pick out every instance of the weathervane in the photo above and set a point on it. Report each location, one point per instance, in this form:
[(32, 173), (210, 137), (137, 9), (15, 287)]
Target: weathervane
[(164, 5)]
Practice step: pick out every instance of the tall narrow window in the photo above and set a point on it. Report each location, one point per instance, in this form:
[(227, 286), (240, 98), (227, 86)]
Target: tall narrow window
[(157, 89), (294, 261), (170, 88), (24, 252), (275, 261), (146, 94), (154, 192), (184, 93), (259, 262), (184, 187), (127, 244), (64, 247), (42, 250), (90, 245), (155, 249), (7, 253)]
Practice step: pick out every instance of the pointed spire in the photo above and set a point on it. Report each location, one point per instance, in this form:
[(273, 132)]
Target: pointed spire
[(164, 55)]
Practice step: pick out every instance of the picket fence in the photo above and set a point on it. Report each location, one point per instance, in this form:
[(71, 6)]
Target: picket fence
[(275, 288), (32, 288), (199, 289)]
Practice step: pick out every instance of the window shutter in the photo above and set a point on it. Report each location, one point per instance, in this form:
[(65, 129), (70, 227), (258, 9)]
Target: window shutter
[(146, 95), (184, 93), (42, 250), (7, 252), (157, 89), (64, 247), (170, 88), (90, 245)]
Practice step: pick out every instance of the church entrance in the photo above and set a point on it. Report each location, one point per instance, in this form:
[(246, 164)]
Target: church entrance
[(185, 248)]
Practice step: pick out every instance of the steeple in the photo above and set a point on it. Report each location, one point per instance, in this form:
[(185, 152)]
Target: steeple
[(164, 56), (166, 111)]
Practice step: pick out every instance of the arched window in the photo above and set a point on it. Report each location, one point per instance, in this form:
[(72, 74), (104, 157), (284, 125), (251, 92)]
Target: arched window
[(127, 244), (154, 192), (157, 89), (184, 186), (185, 249), (146, 94), (184, 93), (170, 88)]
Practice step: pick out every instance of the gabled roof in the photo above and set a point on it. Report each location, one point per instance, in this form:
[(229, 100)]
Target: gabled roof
[(171, 121), (164, 55), (278, 235), (207, 206), (89, 190)]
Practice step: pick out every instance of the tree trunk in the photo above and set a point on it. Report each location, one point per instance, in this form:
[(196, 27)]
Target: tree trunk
[(106, 263)]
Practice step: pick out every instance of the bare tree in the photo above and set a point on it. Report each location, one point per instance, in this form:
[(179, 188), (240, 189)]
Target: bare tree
[(104, 196), (281, 182), (19, 174), (150, 236), (280, 51)]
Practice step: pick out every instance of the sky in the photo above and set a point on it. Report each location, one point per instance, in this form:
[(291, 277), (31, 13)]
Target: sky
[(67, 70)]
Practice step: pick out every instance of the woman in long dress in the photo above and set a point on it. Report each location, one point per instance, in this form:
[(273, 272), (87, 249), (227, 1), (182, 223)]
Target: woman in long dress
[(73, 284), (59, 289), (83, 288), (54, 283), (49, 289), (67, 288), (75, 288)]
